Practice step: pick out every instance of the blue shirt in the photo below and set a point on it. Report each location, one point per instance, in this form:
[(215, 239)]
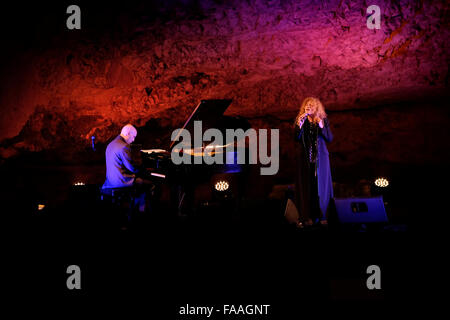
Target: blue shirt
[(119, 166)]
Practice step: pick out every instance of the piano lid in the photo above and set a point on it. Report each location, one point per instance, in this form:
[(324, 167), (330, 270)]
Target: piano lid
[(209, 112)]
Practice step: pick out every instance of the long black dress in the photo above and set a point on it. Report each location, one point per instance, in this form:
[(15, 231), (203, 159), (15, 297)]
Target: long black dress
[(314, 187)]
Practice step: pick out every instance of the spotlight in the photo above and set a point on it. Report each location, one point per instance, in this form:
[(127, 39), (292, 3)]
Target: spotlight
[(78, 184), (221, 185), (381, 182), (41, 207)]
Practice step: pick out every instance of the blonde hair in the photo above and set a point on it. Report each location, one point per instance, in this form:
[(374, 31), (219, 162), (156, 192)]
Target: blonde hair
[(320, 110)]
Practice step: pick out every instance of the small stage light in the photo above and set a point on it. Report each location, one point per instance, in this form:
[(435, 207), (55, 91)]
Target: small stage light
[(381, 182), (221, 185), (78, 184), (41, 207)]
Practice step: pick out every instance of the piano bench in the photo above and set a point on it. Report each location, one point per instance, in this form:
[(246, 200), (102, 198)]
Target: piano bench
[(119, 197)]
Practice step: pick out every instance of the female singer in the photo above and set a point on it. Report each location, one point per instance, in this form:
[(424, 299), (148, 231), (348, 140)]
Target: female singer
[(314, 186)]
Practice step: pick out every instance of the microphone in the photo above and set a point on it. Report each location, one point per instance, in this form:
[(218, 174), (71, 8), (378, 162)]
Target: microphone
[(302, 119), (93, 143), (304, 116)]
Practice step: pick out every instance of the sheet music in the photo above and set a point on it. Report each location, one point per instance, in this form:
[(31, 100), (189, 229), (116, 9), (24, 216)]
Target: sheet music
[(154, 151)]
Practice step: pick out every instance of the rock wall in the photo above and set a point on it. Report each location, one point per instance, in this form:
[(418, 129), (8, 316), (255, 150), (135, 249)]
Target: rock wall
[(149, 63)]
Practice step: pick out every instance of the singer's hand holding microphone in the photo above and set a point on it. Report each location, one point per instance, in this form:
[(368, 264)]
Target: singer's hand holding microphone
[(302, 119)]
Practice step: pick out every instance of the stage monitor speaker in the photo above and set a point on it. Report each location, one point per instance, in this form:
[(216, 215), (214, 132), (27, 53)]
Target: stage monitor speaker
[(360, 210)]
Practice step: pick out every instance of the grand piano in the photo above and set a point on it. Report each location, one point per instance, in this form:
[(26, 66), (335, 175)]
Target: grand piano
[(191, 188)]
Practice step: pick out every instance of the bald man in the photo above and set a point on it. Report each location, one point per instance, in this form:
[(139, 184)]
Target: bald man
[(120, 170)]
